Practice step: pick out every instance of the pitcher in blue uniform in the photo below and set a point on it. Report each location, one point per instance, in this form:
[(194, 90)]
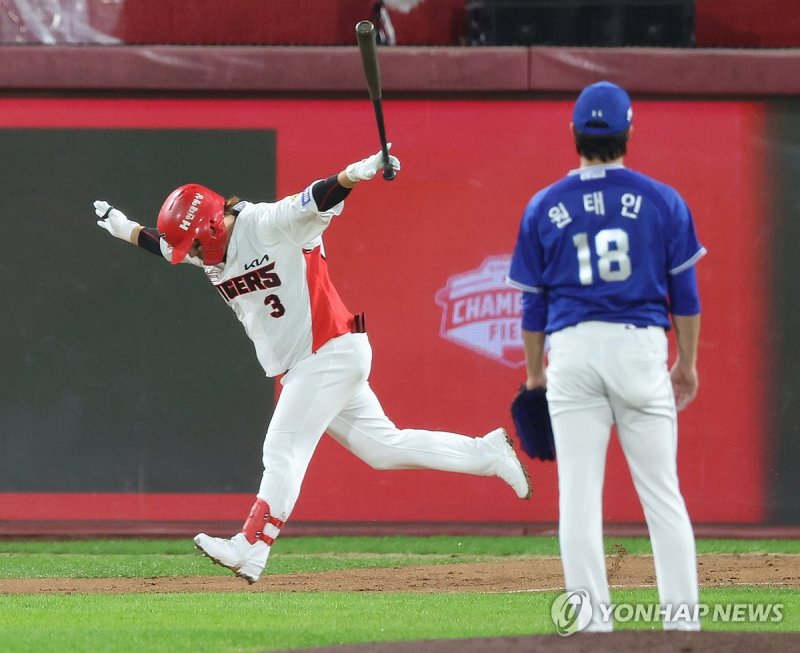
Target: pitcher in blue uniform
[(606, 258)]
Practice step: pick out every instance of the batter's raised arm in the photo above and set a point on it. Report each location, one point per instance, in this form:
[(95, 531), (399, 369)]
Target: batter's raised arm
[(119, 225), (116, 222), (366, 169), (329, 192), (302, 218)]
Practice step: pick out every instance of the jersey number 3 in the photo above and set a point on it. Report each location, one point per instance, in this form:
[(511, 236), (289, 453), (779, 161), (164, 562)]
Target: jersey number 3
[(611, 250), (274, 302), (271, 280)]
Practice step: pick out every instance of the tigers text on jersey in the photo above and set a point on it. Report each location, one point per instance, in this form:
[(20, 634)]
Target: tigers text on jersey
[(275, 278), (600, 244)]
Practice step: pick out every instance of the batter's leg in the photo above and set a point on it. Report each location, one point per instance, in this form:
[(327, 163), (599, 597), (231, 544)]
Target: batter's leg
[(314, 391), (364, 429)]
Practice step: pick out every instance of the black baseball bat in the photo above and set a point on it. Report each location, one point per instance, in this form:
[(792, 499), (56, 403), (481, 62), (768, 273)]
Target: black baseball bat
[(367, 45)]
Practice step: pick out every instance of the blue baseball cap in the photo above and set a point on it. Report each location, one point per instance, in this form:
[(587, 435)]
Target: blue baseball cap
[(602, 109)]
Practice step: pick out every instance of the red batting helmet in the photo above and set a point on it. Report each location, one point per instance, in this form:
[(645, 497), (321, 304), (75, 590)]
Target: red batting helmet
[(193, 212)]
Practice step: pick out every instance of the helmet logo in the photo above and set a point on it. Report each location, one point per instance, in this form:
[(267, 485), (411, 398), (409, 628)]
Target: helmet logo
[(192, 212)]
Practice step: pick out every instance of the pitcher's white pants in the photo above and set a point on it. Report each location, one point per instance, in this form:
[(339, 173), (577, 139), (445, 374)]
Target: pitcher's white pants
[(601, 373), (328, 391)]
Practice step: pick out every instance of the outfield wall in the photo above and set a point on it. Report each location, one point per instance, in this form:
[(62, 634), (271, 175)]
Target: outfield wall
[(108, 415)]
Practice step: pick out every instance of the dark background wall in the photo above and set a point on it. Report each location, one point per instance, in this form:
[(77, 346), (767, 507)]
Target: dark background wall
[(784, 409), (109, 357)]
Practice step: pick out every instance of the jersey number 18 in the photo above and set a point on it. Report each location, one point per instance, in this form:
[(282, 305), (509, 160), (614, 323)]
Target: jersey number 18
[(611, 250)]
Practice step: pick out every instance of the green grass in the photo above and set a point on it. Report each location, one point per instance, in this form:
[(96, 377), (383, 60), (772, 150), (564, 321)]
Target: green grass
[(255, 622), (437, 544), (247, 621), (251, 622), (133, 558)]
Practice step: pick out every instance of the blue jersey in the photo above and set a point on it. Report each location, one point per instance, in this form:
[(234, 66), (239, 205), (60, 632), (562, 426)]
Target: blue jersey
[(600, 244)]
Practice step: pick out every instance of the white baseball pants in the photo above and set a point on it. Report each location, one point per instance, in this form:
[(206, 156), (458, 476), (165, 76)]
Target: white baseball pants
[(601, 373), (328, 391)]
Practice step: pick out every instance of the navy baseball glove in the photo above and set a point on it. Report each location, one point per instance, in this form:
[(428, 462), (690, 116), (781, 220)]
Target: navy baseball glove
[(532, 422)]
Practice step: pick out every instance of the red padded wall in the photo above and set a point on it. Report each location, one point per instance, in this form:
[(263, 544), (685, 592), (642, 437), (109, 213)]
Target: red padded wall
[(469, 167)]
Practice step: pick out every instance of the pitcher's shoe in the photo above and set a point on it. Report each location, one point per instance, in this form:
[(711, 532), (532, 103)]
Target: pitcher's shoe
[(509, 467), (237, 554)]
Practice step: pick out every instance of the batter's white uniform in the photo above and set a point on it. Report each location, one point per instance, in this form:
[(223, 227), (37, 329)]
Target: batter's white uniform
[(275, 280)]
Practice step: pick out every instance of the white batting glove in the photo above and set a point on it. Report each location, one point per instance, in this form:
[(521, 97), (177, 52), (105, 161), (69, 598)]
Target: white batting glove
[(366, 169), (114, 221)]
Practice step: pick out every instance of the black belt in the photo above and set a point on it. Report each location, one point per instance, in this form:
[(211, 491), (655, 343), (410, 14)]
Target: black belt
[(359, 323)]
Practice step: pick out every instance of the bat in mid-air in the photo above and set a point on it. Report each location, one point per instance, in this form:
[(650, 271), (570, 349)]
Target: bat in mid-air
[(367, 45)]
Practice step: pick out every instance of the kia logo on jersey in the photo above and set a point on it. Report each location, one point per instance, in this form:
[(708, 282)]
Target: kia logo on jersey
[(482, 313)]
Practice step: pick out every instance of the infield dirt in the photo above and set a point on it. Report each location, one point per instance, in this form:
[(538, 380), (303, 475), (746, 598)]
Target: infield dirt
[(508, 575)]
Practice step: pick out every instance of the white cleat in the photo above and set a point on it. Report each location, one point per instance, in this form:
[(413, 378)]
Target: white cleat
[(509, 468), (237, 554)]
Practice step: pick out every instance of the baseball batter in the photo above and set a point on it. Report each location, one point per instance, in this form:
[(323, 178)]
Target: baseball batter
[(603, 257), (267, 262)]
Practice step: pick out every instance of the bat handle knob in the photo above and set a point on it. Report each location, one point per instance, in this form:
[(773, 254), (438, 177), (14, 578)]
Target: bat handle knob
[(389, 173)]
